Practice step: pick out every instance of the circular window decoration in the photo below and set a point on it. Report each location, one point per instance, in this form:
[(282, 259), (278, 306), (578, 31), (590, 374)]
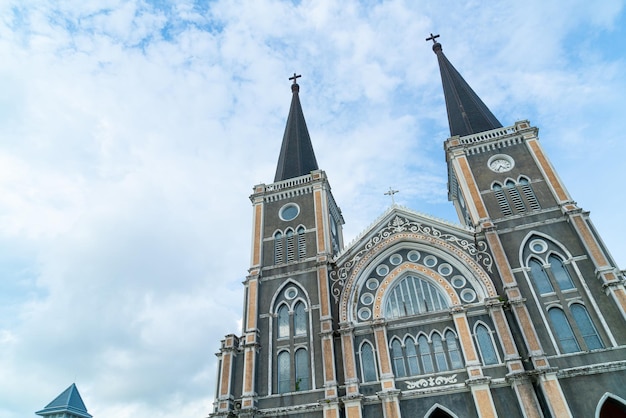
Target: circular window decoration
[(445, 269), (500, 163), (458, 282), (468, 295), (372, 284), (395, 259), (291, 293), (367, 298), (413, 255), (289, 212), (538, 246), (430, 260), (382, 270), (364, 314)]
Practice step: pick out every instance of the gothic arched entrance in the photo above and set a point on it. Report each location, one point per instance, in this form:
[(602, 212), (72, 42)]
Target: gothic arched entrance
[(612, 407), (439, 413)]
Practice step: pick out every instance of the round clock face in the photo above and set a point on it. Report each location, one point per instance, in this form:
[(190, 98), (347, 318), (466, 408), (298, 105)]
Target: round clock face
[(500, 163)]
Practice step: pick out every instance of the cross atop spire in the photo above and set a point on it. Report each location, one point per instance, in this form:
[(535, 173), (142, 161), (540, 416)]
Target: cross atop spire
[(432, 38), (467, 114), (296, 153), (295, 87)]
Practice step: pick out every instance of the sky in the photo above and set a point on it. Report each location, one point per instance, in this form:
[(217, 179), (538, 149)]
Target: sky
[(132, 132)]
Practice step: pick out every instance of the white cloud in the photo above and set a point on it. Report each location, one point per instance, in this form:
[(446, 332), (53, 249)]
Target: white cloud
[(132, 133)]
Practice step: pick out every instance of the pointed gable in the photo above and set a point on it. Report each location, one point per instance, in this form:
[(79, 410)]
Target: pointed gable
[(296, 153), (69, 401), (467, 114)]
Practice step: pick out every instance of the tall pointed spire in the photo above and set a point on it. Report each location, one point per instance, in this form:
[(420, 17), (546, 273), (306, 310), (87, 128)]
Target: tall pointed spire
[(69, 402), (467, 114), (296, 153)]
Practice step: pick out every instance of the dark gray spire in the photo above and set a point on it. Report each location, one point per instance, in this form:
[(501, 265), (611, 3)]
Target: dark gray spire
[(296, 153), (467, 114)]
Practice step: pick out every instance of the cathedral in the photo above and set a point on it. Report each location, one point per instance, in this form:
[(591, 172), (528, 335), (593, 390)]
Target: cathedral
[(517, 311)]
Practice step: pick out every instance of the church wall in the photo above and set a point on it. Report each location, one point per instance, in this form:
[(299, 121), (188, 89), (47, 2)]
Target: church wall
[(460, 403), (286, 400), (506, 402), (584, 392), (372, 410)]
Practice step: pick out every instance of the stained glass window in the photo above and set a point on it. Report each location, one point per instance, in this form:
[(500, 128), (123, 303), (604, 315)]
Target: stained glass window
[(302, 369), (485, 345), (284, 384), (586, 328), (368, 363), (563, 331)]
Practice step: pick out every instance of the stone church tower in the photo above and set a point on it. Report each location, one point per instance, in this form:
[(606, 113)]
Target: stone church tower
[(518, 312)]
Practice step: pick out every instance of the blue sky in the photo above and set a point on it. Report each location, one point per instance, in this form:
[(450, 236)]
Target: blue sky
[(132, 133)]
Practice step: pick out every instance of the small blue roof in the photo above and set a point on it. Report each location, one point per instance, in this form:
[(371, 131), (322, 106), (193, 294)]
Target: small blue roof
[(69, 401)]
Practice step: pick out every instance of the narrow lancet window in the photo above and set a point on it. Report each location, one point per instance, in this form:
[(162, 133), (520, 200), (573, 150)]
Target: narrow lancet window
[(539, 277), (560, 273), (453, 350), (284, 372), (411, 356), (398, 359), (278, 248), (301, 243), (368, 363), (563, 331), (485, 345), (299, 319), (586, 327), (302, 370), (425, 356), (283, 321)]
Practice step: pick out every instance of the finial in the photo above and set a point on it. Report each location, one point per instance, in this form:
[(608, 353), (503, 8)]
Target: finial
[(390, 193), (295, 87), (436, 45)]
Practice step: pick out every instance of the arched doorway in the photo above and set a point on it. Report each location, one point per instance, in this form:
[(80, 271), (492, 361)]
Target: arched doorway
[(611, 406), (439, 413)]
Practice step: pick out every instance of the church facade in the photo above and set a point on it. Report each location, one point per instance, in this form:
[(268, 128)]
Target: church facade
[(518, 311)]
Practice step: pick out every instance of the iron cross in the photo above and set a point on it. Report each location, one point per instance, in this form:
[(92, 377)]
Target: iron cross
[(432, 38), (391, 192), (295, 77)]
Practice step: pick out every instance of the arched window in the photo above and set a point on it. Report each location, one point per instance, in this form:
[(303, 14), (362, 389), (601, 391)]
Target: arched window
[(505, 208), (411, 356), (540, 277), (301, 243), (368, 363), (425, 356), (413, 295), (397, 359), (563, 331), (290, 245), (302, 369), (515, 196), (284, 372), (485, 345), (560, 273), (299, 319), (585, 326), (283, 321), (453, 350), (440, 354), (278, 248), (528, 193)]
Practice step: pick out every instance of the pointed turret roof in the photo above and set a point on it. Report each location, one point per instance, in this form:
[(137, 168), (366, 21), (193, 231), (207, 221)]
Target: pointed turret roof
[(296, 153), (467, 114), (69, 401)]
